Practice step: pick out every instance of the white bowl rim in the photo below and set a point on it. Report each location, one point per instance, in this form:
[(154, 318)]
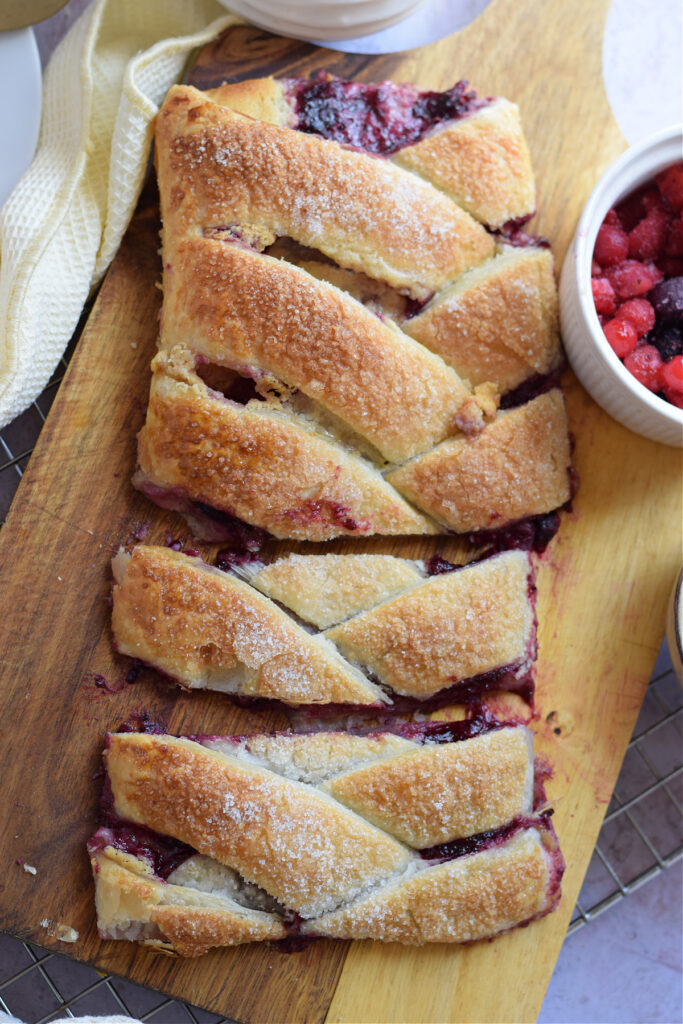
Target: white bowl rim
[(584, 243)]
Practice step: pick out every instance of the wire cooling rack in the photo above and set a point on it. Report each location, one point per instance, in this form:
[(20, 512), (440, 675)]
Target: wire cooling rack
[(640, 836)]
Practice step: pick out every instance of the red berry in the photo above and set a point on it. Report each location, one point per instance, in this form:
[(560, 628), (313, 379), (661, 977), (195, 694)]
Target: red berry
[(646, 241), (672, 375), (611, 217), (670, 184), (611, 245), (671, 266), (652, 200), (638, 312), (596, 269), (645, 364), (603, 296), (675, 397), (622, 336), (632, 278), (674, 237), (631, 209)]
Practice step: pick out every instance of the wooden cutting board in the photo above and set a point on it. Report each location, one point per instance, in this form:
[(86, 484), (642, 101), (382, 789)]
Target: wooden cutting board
[(602, 585)]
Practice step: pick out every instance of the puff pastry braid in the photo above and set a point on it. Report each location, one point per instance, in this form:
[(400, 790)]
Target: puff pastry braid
[(331, 316), (396, 632), (417, 837)]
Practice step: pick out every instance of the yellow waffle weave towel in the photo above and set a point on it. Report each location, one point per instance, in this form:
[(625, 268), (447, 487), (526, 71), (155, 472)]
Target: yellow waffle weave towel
[(62, 225)]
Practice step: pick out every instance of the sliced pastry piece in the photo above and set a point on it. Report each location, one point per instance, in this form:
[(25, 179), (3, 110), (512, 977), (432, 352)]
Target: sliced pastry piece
[(206, 629), (518, 467), (471, 629), (364, 213), (211, 459), (326, 589), (471, 148), (252, 313), (212, 841), (469, 623), (497, 322)]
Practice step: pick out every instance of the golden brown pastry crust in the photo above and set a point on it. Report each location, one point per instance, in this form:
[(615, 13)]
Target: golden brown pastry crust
[(326, 589), (438, 793), (362, 212), (517, 467), (207, 629), (498, 322), (299, 845), (462, 900), (481, 161), (129, 899), (265, 467), (243, 309), (447, 629)]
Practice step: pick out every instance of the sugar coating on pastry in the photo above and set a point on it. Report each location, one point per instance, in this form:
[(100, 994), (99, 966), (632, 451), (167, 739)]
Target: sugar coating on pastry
[(243, 309), (326, 589), (460, 901), (363, 213), (479, 158), (517, 467), (481, 161), (411, 795), (207, 629), (175, 917), (205, 846), (260, 464), (447, 629), (497, 322), (295, 842), (312, 758)]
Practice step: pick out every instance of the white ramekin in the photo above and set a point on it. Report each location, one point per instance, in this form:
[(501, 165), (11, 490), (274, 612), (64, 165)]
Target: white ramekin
[(324, 20), (595, 364)]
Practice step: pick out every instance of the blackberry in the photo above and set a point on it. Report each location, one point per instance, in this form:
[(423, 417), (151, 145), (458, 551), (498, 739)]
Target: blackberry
[(667, 339)]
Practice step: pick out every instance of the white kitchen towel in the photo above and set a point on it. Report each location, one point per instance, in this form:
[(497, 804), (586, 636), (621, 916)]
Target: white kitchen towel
[(62, 225)]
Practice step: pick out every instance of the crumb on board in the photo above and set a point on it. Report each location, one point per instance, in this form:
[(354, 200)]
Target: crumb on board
[(62, 932)]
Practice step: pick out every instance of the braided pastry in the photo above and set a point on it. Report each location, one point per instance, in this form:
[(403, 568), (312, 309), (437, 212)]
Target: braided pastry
[(397, 632), (336, 323), (213, 841)]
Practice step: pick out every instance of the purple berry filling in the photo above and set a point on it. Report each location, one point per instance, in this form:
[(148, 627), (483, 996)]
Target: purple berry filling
[(378, 118)]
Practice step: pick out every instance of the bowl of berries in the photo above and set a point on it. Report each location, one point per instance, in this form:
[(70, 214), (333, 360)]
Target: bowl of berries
[(621, 290)]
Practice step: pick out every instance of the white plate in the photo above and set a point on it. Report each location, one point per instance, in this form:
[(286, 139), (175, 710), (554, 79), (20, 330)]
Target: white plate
[(20, 84)]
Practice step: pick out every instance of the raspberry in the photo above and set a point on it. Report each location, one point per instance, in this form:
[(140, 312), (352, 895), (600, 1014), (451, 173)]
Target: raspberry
[(667, 339), (652, 200), (646, 241), (622, 336), (670, 184), (603, 296), (675, 397), (671, 266), (611, 217), (631, 209), (596, 269), (632, 278), (674, 238), (645, 364), (640, 313), (672, 375), (611, 245)]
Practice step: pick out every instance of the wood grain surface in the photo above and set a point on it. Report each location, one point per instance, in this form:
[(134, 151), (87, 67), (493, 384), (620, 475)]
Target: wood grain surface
[(603, 583)]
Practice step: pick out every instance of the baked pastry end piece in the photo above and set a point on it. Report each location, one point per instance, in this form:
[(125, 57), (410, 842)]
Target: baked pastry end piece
[(518, 467), (462, 900)]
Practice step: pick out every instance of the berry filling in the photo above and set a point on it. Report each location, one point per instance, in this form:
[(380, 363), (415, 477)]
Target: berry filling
[(378, 118), (637, 283)]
